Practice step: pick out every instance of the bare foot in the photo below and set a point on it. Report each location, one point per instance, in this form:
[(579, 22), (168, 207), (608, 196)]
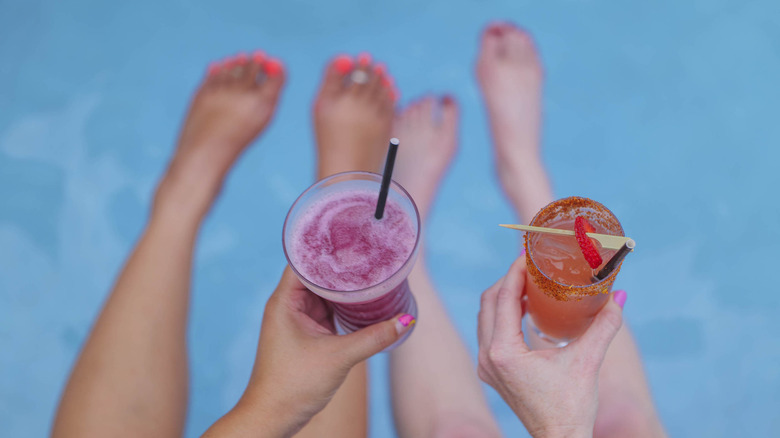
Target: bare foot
[(232, 106), (510, 77), (428, 132), (353, 114)]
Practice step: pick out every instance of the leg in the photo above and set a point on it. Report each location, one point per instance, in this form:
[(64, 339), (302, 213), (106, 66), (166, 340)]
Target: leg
[(352, 124), (131, 376), (427, 401), (510, 76)]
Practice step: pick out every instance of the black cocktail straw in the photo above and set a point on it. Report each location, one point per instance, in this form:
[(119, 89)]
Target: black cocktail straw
[(616, 259), (386, 177)]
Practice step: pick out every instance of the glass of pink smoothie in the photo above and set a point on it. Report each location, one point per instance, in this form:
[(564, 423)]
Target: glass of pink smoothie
[(342, 253)]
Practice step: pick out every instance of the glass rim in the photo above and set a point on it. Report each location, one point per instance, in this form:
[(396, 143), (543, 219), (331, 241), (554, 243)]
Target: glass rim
[(393, 184), (563, 289)]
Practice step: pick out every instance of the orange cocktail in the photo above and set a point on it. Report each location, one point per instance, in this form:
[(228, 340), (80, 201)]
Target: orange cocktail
[(562, 294)]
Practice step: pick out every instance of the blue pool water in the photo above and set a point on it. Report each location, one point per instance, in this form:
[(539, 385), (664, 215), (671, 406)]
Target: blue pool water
[(665, 112)]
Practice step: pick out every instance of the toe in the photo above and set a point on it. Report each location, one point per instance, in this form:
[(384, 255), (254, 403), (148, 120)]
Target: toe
[(492, 40), (234, 69), (335, 74), (449, 112), (273, 70), (359, 81), (375, 87), (426, 109), (519, 42)]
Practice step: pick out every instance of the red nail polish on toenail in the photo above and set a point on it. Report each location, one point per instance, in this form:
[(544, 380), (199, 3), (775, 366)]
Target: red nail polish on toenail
[(342, 64), (387, 82), (364, 59), (213, 68), (496, 30), (380, 69), (273, 67), (448, 100), (394, 94), (258, 56), (241, 58)]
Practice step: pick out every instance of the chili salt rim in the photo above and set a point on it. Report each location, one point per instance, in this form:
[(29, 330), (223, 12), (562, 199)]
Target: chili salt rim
[(603, 217)]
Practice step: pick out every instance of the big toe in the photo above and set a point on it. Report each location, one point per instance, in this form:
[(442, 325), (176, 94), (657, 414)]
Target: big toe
[(335, 73), (271, 86), (493, 41)]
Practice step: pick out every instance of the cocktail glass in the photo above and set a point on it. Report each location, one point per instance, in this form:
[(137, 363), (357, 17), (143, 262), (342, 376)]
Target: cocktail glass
[(562, 296)]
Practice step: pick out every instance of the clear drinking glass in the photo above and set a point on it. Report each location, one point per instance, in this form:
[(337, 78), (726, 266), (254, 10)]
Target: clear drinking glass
[(355, 309)]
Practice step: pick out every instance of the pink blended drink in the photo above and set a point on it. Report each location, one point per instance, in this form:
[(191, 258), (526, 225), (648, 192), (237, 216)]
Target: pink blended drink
[(343, 254)]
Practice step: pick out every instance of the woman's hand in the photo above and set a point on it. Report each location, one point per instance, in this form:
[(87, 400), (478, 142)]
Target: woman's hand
[(301, 362), (553, 392)]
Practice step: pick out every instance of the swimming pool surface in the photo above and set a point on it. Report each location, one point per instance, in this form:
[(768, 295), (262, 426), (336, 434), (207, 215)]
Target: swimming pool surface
[(665, 112)]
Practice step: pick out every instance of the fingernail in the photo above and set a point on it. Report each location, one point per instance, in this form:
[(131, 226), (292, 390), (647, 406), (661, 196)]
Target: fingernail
[(620, 298), (242, 58), (273, 67), (213, 68), (342, 64), (364, 59), (404, 322), (522, 253), (258, 56)]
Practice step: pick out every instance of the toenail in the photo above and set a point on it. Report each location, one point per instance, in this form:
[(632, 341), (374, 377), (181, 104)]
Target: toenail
[(258, 56), (387, 82), (342, 64), (380, 69), (447, 100), (213, 68), (394, 94), (364, 59), (496, 30), (241, 58), (273, 67)]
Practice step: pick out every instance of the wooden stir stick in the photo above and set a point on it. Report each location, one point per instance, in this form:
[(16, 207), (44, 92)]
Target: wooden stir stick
[(606, 241)]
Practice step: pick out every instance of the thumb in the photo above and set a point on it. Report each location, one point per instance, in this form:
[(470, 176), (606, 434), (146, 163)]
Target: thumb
[(595, 341), (368, 341)]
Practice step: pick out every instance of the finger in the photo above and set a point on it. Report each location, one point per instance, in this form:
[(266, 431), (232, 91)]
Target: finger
[(508, 326), (368, 341), (487, 314), (289, 280), (595, 341)]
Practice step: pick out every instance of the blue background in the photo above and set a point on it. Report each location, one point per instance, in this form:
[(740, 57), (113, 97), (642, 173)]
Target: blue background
[(665, 112)]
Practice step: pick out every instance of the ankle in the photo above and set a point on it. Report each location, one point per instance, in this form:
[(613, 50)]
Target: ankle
[(183, 198)]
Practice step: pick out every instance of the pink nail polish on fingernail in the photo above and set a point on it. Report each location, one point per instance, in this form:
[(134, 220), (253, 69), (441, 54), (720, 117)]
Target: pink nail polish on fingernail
[(620, 298), (522, 253), (404, 322)]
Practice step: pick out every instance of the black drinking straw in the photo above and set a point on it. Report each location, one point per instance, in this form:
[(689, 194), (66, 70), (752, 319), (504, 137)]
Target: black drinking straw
[(616, 259), (386, 177)]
